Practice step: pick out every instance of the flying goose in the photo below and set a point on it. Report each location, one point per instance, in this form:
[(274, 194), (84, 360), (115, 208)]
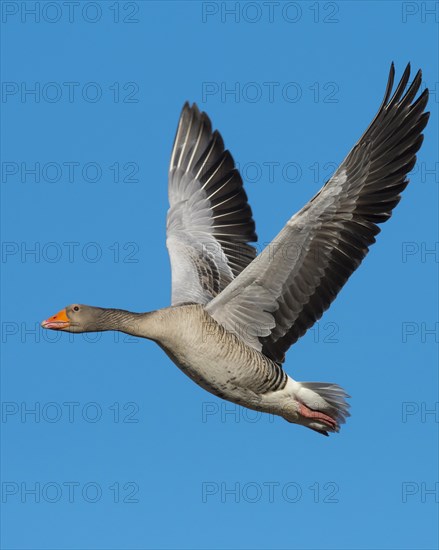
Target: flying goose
[(234, 314)]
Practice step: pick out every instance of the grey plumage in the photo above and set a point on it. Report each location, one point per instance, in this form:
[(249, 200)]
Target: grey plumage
[(234, 315)]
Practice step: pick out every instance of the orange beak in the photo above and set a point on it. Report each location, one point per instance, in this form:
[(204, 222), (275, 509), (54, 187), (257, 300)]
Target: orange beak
[(58, 321)]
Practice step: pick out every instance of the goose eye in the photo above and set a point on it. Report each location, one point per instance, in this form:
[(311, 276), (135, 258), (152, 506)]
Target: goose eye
[(76, 308)]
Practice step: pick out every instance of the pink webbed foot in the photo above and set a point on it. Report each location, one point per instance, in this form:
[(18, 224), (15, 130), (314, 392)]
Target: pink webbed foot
[(318, 416)]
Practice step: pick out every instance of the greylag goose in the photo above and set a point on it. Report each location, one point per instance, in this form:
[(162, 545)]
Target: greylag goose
[(234, 314)]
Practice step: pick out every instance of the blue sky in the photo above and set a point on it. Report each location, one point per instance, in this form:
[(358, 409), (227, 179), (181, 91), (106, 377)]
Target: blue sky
[(122, 450)]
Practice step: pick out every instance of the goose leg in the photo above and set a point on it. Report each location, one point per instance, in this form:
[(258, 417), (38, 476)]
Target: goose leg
[(316, 415)]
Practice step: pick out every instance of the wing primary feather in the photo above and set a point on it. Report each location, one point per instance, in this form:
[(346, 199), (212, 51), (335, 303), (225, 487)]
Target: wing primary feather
[(209, 216), (285, 294)]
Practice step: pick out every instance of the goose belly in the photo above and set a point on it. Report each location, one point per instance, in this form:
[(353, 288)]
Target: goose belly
[(214, 370), (221, 364)]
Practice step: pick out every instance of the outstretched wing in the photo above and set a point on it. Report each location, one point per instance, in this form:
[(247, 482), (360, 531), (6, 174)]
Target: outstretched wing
[(209, 223), (281, 294)]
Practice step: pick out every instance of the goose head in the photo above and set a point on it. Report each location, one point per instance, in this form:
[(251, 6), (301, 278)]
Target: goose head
[(75, 318)]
